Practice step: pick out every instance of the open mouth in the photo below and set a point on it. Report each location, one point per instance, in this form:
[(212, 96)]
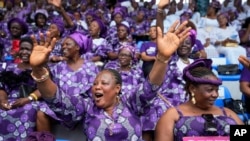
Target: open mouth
[(98, 96)]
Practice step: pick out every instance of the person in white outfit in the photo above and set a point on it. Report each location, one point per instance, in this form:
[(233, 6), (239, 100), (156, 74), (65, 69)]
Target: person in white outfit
[(226, 39)]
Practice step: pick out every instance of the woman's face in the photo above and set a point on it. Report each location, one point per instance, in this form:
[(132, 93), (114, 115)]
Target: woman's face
[(222, 20), (54, 31), (105, 90), (206, 94), (210, 10), (89, 18), (152, 32), (185, 48), (77, 16), (25, 51), (140, 16), (69, 48), (125, 57), (16, 29), (118, 18), (94, 28), (41, 20), (122, 32)]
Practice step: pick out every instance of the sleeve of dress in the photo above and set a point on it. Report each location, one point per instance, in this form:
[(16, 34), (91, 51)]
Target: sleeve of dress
[(142, 97), (69, 109), (103, 49)]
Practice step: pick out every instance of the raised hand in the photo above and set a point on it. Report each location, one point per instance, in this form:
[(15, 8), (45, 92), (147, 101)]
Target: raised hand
[(41, 51), (163, 3), (167, 44), (56, 3), (244, 61)]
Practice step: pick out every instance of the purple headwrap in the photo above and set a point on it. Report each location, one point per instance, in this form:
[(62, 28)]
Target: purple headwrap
[(83, 41), (225, 14), (59, 23), (192, 36), (19, 21), (131, 49), (187, 12), (102, 26), (207, 63), (120, 10), (215, 4)]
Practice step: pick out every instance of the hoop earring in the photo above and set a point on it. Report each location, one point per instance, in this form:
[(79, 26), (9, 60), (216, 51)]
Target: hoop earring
[(193, 99)]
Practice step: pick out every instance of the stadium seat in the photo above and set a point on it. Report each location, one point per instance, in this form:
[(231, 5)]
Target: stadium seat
[(223, 94)]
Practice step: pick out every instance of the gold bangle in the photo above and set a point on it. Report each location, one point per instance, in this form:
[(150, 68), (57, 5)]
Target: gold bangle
[(34, 96), (42, 78), (160, 60)]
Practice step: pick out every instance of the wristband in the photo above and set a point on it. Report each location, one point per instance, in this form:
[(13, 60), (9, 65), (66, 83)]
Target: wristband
[(33, 95), (30, 98)]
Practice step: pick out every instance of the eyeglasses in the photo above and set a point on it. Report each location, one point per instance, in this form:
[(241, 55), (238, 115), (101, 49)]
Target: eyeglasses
[(209, 125)]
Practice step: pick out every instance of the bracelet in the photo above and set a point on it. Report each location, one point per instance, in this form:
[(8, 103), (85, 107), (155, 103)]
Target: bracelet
[(159, 10), (33, 95), (30, 98), (43, 77), (160, 60)]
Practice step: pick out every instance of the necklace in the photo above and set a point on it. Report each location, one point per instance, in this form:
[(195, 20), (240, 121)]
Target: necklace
[(185, 61)]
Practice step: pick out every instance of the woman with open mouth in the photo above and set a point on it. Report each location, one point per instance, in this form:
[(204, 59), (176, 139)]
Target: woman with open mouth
[(107, 116)]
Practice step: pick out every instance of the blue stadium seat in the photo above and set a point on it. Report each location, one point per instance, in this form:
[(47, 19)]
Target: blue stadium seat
[(223, 94), (245, 117)]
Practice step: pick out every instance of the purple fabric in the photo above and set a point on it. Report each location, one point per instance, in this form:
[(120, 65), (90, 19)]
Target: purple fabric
[(97, 123), (59, 23), (21, 121), (225, 14), (120, 10), (194, 125), (103, 28), (215, 4), (129, 48), (199, 63), (192, 36), (83, 41), (130, 79), (21, 22)]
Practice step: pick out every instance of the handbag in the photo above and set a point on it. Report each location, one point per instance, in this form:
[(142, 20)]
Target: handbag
[(238, 106), (229, 69)]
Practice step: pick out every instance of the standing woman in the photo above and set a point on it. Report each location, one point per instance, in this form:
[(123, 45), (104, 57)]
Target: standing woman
[(148, 51), (107, 116)]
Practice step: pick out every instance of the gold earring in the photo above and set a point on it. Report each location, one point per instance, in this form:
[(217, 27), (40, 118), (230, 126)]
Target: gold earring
[(193, 99)]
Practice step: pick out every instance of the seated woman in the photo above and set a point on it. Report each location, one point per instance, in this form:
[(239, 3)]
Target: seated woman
[(123, 38), (191, 117), (75, 75), (98, 53), (19, 99), (127, 66), (226, 39), (107, 116)]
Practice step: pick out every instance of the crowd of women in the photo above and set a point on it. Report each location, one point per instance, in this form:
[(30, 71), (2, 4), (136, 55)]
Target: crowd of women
[(65, 62)]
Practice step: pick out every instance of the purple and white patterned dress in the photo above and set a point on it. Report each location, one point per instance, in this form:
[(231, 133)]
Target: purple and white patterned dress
[(172, 90), (194, 125), (130, 79), (75, 83), (98, 125), (17, 123)]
